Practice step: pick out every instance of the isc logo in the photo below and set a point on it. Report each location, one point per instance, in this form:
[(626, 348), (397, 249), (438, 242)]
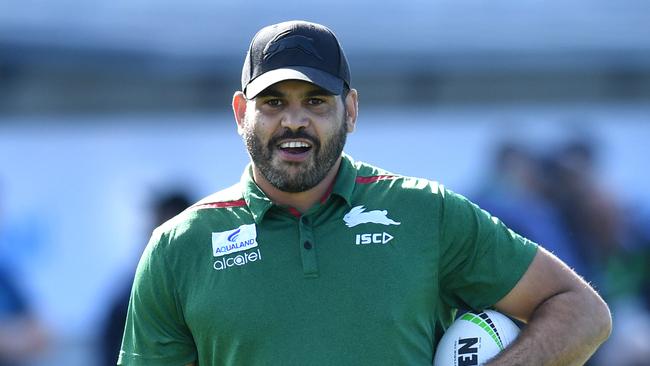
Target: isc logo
[(467, 352), (375, 238)]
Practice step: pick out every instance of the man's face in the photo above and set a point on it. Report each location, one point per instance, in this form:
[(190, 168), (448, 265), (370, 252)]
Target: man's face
[(295, 133)]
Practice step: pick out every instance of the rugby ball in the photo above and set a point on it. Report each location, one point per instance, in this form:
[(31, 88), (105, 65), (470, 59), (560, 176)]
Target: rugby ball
[(475, 338)]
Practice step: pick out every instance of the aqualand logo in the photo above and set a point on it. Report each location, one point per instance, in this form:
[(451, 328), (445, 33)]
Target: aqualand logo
[(232, 241)]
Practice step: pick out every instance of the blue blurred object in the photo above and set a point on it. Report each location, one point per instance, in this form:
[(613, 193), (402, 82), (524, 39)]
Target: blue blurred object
[(12, 301)]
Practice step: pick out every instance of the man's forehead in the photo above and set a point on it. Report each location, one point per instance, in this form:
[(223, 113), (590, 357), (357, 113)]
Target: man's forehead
[(287, 87)]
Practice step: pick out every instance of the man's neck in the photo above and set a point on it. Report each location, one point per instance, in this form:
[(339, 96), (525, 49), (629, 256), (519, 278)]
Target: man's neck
[(302, 201)]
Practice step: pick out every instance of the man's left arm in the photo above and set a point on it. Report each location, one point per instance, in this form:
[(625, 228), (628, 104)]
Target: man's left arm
[(566, 319)]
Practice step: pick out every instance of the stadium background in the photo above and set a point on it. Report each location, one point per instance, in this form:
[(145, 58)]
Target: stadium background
[(105, 105)]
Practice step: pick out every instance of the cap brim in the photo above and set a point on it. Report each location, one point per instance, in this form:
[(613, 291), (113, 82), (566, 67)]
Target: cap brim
[(323, 79)]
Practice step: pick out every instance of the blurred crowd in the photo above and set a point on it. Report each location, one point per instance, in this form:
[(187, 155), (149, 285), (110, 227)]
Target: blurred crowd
[(25, 340), (554, 197), (163, 208), (557, 199), (22, 334)]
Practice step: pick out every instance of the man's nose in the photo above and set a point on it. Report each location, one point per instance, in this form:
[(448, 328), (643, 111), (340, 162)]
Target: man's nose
[(295, 118)]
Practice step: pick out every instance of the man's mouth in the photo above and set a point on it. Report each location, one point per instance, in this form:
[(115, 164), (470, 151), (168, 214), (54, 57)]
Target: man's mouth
[(294, 147)]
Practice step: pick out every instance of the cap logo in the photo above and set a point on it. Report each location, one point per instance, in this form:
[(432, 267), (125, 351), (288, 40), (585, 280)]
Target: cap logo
[(278, 44)]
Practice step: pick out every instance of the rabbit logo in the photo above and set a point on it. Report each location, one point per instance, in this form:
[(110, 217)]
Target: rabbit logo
[(357, 216)]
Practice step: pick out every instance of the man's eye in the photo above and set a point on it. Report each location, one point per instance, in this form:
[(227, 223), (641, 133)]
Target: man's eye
[(273, 102), (315, 101)]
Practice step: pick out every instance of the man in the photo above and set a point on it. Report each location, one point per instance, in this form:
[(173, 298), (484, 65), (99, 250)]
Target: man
[(315, 259)]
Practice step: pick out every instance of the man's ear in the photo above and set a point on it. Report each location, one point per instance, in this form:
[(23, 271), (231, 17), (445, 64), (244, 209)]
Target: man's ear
[(239, 108), (352, 109)]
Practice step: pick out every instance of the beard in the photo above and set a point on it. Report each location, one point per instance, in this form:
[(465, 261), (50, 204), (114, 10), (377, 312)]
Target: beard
[(299, 176)]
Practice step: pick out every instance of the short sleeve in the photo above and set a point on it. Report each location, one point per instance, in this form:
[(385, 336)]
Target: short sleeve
[(481, 260), (155, 331)]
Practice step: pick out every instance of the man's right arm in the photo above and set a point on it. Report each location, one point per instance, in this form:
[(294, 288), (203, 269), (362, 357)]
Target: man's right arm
[(155, 325)]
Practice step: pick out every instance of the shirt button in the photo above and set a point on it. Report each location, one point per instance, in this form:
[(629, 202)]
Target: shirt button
[(307, 245)]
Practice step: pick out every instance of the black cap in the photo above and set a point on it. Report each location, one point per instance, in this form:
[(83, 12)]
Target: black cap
[(295, 50)]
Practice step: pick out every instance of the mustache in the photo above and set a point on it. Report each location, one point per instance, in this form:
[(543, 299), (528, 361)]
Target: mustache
[(288, 134)]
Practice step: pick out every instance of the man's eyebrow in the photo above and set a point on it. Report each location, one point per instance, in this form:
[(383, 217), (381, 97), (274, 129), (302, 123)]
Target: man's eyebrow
[(269, 92), (318, 92)]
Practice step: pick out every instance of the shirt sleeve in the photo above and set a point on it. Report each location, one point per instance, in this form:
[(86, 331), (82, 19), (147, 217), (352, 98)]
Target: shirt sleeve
[(481, 260), (155, 331)]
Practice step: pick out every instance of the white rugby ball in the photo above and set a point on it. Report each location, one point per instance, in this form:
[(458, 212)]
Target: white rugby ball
[(475, 338)]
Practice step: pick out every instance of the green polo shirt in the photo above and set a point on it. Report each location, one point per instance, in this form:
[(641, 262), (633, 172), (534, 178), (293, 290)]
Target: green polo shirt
[(370, 275)]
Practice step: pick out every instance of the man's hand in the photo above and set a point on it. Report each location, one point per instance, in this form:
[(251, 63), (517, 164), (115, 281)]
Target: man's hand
[(567, 319)]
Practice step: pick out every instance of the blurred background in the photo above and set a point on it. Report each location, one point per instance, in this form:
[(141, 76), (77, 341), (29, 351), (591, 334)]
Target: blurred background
[(115, 115)]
